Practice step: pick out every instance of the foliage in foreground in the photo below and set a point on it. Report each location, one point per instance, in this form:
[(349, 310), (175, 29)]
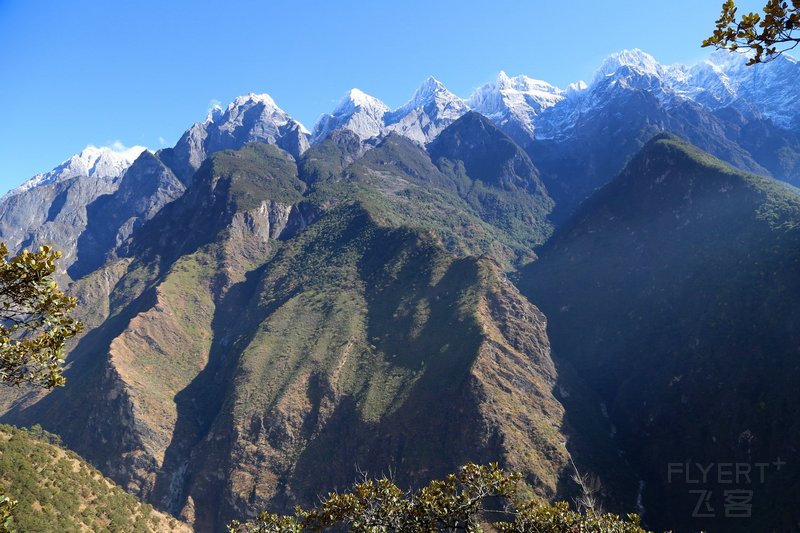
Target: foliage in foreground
[(34, 319), (7, 506), (768, 36), (478, 498)]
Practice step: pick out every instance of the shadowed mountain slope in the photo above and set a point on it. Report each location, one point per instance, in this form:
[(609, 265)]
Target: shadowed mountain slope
[(495, 177), (672, 290)]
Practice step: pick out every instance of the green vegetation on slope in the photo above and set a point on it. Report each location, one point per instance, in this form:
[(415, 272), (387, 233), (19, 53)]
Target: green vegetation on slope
[(58, 492), (348, 278), (495, 177), (361, 345), (257, 172), (397, 182), (260, 351)]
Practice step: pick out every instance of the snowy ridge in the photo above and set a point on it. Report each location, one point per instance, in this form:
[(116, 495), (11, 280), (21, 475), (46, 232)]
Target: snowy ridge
[(637, 60), (233, 117), (432, 91), (524, 107), (93, 161), (770, 91), (723, 79), (358, 112), (515, 100), (430, 110)]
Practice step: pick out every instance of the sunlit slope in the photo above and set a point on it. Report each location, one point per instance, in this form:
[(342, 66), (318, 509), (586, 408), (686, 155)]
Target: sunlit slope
[(57, 491), (276, 330)]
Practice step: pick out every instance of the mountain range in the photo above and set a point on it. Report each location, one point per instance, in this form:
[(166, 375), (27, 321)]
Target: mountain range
[(596, 279), (580, 137)]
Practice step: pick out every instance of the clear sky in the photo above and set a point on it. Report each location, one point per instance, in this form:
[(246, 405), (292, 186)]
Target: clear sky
[(77, 72)]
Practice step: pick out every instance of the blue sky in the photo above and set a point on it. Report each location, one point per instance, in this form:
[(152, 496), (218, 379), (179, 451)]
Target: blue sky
[(95, 72)]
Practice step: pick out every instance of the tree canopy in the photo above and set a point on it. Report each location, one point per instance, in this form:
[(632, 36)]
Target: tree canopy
[(34, 319), (468, 501), (768, 36)]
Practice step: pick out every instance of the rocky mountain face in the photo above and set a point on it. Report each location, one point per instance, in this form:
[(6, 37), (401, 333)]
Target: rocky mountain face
[(670, 291), (358, 113), (146, 187), (89, 205), (52, 214), (304, 328), (87, 217), (515, 103), (51, 207), (421, 119), (250, 118)]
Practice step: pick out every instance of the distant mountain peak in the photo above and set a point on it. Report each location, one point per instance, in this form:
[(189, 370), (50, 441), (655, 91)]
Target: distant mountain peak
[(254, 98), (430, 110), (634, 59), (431, 86), (576, 87), (356, 99), (431, 90), (357, 112), (248, 101), (93, 161), (725, 60), (514, 102), (214, 114), (523, 83), (526, 108), (117, 152)]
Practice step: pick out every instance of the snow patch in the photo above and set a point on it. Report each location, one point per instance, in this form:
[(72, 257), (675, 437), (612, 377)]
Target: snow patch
[(94, 161)]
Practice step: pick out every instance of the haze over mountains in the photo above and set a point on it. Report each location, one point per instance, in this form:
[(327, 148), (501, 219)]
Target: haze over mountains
[(539, 276)]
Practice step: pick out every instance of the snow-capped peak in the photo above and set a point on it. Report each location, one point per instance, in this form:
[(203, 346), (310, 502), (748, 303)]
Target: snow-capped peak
[(431, 90), (514, 102), (358, 112), (232, 117), (503, 80), (576, 87), (524, 84), (430, 110), (94, 161), (724, 79), (214, 114), (116, 153), (252, 99), (726, 60), (635, 59), (219, 115), (357, 99)]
